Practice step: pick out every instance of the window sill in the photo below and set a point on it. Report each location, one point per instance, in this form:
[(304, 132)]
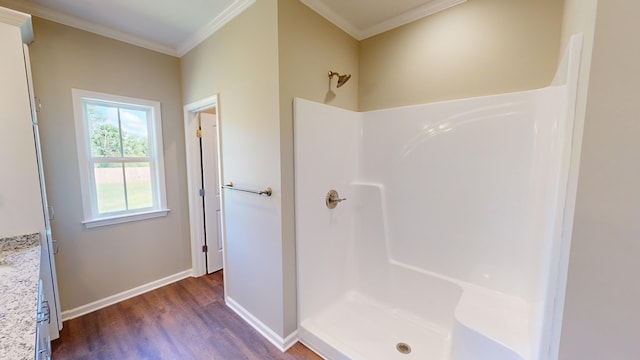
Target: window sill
[(112, 220)]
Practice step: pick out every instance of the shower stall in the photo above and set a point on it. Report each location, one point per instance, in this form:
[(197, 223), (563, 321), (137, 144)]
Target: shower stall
[(443, 237)]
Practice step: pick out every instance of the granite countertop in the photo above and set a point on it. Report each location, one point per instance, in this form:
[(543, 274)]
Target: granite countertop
[(19, 276)]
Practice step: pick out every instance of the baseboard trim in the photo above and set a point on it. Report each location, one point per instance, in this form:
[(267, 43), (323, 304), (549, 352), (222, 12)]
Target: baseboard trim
[(283, 344), (289, 341), (113, 299)]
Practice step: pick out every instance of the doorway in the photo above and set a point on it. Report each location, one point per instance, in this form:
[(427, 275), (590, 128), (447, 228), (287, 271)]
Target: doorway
[(203, 172)]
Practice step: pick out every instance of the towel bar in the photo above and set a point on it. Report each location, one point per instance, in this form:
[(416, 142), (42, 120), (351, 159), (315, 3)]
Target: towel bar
[(230, 186)]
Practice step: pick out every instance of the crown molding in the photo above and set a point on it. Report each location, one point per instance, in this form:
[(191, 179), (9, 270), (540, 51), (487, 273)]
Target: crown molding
[(13, 17), (18, 19), (79, 23), (336, 19), (419, 12), (235, 9), (425, 10)]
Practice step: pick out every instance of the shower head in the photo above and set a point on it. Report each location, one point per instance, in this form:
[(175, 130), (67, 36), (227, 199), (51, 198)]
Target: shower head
[(342, 79)]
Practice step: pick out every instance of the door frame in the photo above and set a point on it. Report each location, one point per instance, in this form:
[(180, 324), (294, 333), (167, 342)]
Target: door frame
[(196, 216)]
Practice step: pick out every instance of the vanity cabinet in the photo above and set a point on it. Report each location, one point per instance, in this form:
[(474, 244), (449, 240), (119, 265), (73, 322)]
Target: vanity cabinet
[(23, 206), (25, 312)]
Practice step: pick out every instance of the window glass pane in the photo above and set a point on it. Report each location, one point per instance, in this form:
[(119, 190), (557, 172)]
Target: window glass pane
[(104, 131), (110, 187), (139, 191), (135, 134)]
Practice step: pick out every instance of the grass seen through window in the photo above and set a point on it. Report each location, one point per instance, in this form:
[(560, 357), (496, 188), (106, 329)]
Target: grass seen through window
[(111, 196), (114, 194)]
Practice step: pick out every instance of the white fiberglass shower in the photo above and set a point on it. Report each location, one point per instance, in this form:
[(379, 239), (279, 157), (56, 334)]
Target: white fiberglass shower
[(447, 245)]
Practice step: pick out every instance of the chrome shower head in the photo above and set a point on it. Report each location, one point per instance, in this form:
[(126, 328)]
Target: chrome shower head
[(342, 79)]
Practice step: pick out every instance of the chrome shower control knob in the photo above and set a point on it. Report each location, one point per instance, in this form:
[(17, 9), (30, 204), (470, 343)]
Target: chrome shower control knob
[(333, 199)]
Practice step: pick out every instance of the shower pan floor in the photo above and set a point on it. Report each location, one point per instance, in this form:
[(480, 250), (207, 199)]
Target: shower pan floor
[(364, 329)]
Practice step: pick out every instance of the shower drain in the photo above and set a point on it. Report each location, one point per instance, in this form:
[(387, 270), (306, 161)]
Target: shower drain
[(403, 348)]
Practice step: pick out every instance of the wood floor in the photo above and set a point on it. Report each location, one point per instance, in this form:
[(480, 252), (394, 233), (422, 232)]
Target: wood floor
[(183, 321)]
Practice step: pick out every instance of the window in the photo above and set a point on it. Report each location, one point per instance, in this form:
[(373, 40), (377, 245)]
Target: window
[(120, 158)]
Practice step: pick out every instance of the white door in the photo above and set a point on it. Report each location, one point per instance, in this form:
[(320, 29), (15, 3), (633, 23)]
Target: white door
[(211, 186)]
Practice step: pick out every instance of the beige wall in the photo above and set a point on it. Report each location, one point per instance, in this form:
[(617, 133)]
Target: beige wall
[(240, 63), (601, 309), (478, 48), (275, 51), (309, 46), (94, 264)]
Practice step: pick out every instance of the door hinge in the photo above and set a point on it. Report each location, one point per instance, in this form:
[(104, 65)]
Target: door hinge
[(56, 247), (202, 192), (37, 105), (199, 133), (205, 248)]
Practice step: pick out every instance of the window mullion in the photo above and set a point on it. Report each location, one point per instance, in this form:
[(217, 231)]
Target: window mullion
[(135, 159), (102, 160), (124, 182), (120, 134), (124, 172)]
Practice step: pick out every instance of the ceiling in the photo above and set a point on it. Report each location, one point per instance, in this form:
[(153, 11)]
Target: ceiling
[(175, 27)]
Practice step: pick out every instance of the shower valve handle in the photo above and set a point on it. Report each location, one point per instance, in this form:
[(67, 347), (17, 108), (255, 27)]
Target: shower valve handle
[(333, 199)]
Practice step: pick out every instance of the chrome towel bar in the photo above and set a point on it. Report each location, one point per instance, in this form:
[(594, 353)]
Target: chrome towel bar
[(230, 186)]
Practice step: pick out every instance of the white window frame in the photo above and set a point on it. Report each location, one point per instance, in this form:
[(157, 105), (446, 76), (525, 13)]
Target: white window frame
[(92, 217)]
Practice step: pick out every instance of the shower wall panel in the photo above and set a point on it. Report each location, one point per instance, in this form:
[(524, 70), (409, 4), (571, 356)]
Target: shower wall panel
[(462, 180), (328, 143), (463, 189)]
